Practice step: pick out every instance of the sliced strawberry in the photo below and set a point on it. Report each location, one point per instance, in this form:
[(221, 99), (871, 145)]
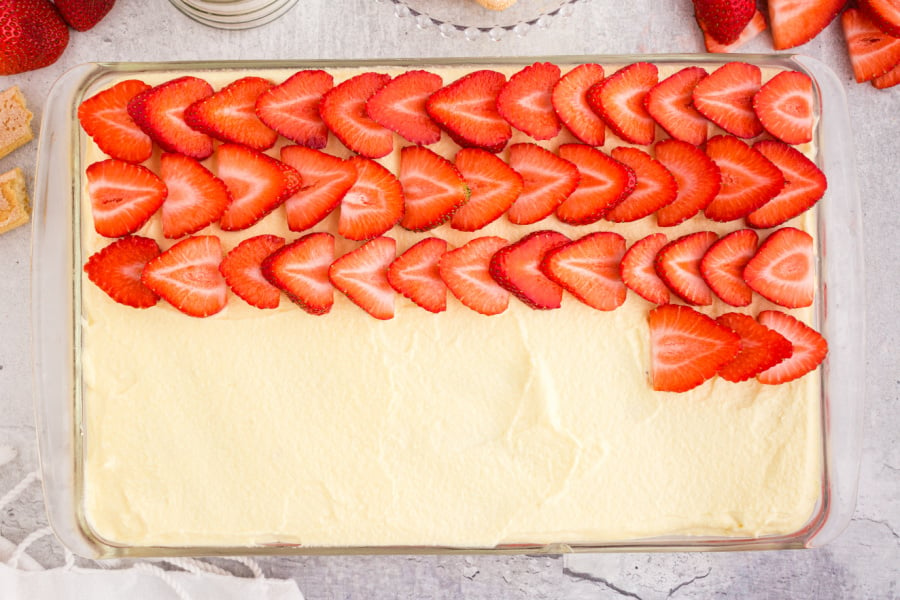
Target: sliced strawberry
[(678, 265), (343, 108), (467, 110), (292, 108), (229, 115), (589, 269), (696, 176), (116, 269), (639, 272), (300, 270), (525, 101), (809, 348), (795, 22), (123, 196), (104, 117), (724, 19), (804, 185), (326, 179), (159, 111), (784, 105), (749, 179), (547, 180), (415, 274), (619, 100), (571, 105), (400, 106), (670, 103), (888, 80), (602, 183), (493, 187), (196, 197), (361, 275), (756, 26), (432, 188), (655, 187), (242, 270), (187, 276), (256, 182), (885, 14), (783, 269), (761, 348), (723, 265), (872, 51), (466, 271), (517, 268), (687, 348), (726, 98), (373, 204)]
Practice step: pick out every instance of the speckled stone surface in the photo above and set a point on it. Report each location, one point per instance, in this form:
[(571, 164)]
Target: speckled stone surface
[(864, 562)]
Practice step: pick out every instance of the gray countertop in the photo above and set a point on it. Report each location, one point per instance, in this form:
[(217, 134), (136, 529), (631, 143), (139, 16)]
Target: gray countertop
[(864, 562)]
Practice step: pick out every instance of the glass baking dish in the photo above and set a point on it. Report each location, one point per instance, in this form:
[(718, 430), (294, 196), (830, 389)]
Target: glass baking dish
[(57, 317)]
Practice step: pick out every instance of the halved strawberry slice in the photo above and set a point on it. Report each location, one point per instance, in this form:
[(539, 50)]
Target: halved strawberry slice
[(292, 107), (804, 185), (493, 187), (466, 271), (885, 14), (300, 270), (242, 270), (619, 100), (678, 265), (415, 274), (361, 275), (432, 188), (670, 103), (373, 204), (256, 182), (756, 26), (467, 110), (749, 179), (639, 271), (726, 98), (343, 108), (525, 101), (104, 117), (589, 269), (326, 179), (517, 268), (723, 265), (810, 348), (569, 100), (687, 348), (116, 269), (229, 115), (547, 180), (696, 176), (400, 106), (602, 183), (761, 348), (655, 187), (795, 22), (196, 197), (872, 51), (783, 269), (123, 196), (187, 276), (888, 80), (784, 105), (159, 111)]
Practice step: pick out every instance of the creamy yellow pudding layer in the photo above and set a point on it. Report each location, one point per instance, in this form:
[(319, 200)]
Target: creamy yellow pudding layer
[(256, 427)]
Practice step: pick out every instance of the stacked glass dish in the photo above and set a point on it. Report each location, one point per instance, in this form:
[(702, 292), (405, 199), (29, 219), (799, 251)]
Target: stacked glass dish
[(234, 14)]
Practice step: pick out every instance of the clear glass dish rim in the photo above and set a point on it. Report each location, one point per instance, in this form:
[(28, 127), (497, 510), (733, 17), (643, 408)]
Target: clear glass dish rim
[(439, 23), (55, 313)]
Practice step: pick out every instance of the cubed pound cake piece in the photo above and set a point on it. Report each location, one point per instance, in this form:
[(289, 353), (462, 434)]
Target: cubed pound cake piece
[(15, 121), (14, 204)]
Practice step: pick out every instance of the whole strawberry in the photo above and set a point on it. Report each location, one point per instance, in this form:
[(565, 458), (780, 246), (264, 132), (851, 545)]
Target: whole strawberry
[(724, 19), (32, 35), (83, 14)]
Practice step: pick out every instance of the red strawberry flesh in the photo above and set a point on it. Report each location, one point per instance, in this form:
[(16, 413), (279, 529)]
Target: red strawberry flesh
[(493, 188), (809, 348), (187, 276), (639, 272), (467, 110), (123, 196), (242, 270), (361, 275), (589, 268), (517, 268), (300, 270), (229, 115), (466, 272), (160, 110), (783, 269), (400, 106), (116, 269), (292, 107), (373, 204), (570, 102), (547, 180), (415, 274), (619, 100), (697, 180), (325, 180), (196, 197), (678, 265), (761, 348), (433, 189), (725, 97), (104, 116), (723, 265), (525, 101), (343, 108)]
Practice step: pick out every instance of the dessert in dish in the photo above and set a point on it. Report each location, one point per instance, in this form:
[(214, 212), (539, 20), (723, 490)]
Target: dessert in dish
[(485, 376), (14, 203), (15, 121)]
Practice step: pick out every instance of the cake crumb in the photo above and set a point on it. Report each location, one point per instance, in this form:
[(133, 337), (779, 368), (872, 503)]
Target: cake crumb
[(15, 121), (496, 4), (14, 204)]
